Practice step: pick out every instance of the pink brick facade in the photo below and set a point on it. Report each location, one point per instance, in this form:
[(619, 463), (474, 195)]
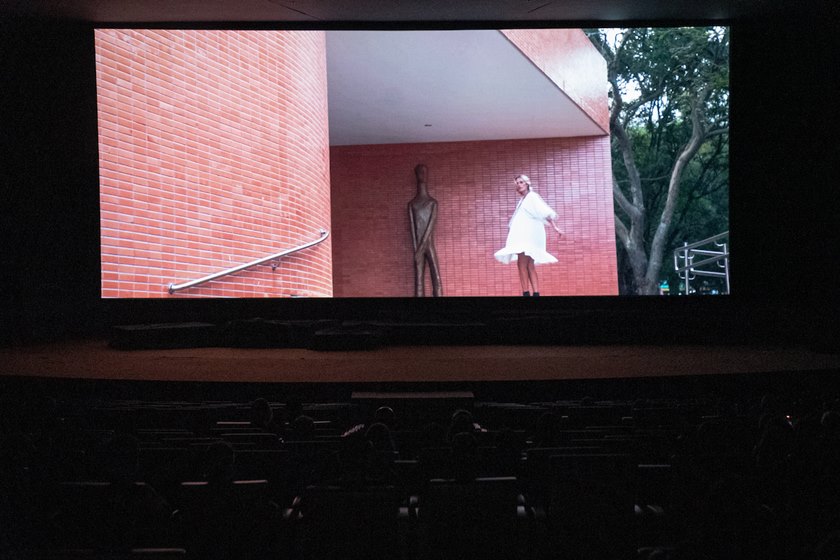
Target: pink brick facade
[(473, 184), (214, 151)]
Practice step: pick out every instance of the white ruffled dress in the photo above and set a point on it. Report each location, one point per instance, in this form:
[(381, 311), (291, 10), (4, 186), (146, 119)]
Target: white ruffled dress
[(527, 231)]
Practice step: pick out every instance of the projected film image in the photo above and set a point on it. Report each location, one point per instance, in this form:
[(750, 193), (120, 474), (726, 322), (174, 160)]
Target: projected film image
[(350, 163)]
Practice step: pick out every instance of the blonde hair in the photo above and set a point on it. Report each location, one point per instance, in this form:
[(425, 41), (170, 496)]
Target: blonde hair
[(524, 178)]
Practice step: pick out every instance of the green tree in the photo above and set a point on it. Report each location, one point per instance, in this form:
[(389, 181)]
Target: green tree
[(669, 124)]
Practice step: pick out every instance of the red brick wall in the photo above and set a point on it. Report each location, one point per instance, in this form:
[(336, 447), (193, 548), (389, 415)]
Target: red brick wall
[(473, 184), (570, 60), (213, 152)]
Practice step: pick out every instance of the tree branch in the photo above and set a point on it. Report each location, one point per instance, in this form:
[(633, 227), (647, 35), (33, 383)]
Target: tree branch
[(689, 150), (622, 232), (626, 148), (622, 201)]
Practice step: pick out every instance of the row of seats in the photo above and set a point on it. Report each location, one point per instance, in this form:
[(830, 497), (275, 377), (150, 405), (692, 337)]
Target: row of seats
[(502, 480)]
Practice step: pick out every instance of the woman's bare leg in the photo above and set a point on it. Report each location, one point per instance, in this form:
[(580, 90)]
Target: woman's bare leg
[(532, 274), (522, 264)]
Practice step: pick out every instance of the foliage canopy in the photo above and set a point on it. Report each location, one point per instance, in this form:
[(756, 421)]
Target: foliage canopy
[(669, 124)]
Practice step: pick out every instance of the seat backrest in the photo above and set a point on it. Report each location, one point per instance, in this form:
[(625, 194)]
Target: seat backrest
[(453, 503), (332, 507), (348, 524), (269, 464), (474, 519)]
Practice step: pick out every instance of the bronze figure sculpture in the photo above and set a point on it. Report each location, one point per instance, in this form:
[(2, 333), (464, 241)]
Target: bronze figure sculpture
[(422, 211)]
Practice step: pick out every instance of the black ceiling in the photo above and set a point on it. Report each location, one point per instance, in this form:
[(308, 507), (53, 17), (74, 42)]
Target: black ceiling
[(355, 12)]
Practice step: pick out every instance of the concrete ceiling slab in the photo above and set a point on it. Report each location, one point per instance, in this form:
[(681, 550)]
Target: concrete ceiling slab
[(389, 87)]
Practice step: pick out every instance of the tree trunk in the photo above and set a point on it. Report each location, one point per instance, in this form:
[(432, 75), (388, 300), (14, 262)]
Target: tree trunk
[(632, 237), (657, 247)]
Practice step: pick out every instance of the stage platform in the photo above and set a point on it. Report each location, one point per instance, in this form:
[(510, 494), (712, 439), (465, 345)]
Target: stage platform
[(93, 359)]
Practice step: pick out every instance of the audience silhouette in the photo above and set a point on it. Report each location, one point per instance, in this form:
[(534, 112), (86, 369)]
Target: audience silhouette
[(724, 477)]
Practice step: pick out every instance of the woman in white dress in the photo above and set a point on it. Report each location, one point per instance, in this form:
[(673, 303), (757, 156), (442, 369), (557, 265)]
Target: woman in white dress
[(526, 238)]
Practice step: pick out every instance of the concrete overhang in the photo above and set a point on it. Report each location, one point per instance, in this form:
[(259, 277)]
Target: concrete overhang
[(393, 87)]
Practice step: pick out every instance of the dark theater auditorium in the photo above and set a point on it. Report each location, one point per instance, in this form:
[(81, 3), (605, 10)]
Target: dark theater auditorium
[(268, 286)]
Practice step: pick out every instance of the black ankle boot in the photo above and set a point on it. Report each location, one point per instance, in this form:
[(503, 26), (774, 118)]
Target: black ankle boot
[(526, 294), (536, 294)]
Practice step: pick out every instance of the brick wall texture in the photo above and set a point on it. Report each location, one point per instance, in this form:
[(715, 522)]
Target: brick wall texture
[(473, 184), (214, 152)]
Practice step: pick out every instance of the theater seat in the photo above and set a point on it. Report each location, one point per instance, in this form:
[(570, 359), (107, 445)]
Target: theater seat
[(481, 518), (105, 516), (89, 554), (351, 524), (227, 520)]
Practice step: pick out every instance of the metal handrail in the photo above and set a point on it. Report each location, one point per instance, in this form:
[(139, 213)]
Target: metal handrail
[(706, 241), (191, 284), (691, 269)]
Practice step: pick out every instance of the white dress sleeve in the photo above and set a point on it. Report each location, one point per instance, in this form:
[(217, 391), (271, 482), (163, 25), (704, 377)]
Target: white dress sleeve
[(537, 208)]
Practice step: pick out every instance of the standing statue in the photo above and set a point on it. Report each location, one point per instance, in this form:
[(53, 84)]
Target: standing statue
[(422, 210)]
